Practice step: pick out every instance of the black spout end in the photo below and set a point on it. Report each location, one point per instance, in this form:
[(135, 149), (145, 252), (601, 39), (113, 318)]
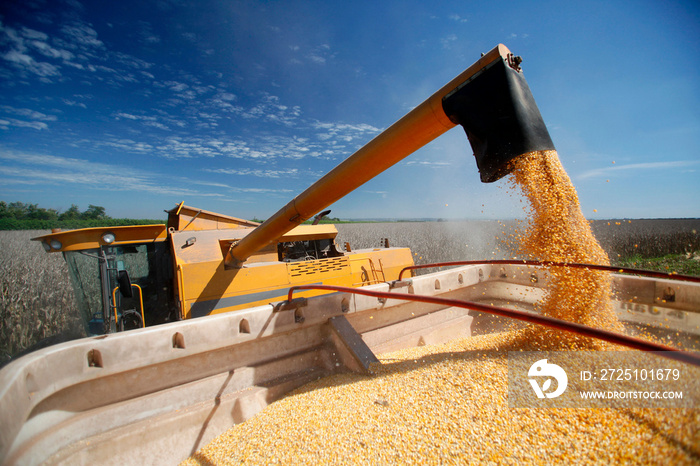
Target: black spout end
[(497, 111)]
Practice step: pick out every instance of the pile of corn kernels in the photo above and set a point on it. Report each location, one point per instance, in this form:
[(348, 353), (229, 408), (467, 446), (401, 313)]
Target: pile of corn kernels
[(447, 404)]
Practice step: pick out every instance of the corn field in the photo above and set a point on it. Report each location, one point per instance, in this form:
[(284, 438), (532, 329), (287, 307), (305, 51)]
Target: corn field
[(495, 239), (647, 238), (435, 241), (36, 296), (37, 305)]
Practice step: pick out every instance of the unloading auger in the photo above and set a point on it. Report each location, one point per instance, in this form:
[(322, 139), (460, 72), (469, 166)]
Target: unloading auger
[(190, 267), (490, 99)]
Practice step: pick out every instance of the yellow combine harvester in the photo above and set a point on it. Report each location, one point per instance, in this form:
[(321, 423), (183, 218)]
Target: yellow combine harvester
[(205, 263), (136, 276)]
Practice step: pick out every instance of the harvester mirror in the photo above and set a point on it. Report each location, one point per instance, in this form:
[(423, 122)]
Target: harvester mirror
[(125, 284), (320, 216)]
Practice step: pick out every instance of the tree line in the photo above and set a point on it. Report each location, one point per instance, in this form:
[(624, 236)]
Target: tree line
[(21, 216)]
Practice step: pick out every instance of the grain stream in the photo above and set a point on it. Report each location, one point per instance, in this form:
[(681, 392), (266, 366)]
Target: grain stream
[(558, 231)]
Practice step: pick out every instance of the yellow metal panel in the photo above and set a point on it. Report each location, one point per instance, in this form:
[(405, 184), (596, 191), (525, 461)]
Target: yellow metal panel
[(310, 232), (214, 244), (89, 238), (210, 280), (317, 270), (378, 265), (202, 246), (188, 218), (212, 289)]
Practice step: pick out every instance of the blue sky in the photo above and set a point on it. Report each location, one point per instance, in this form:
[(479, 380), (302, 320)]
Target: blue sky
[(237, 107)]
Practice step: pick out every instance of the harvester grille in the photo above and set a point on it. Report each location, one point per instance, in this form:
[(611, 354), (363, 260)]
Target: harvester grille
[(320, 266)]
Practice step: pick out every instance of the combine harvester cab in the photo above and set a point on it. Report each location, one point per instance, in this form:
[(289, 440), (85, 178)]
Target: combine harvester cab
[(302, 309)]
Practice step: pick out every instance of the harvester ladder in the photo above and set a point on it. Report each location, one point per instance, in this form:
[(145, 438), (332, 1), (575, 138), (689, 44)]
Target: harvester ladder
[(374, 278), (375, 275)]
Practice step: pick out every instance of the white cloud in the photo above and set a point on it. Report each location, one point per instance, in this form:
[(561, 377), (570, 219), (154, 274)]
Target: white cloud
[(235, 189), (175, 147), (146, 33), (29, 64), (26, 112), (127, 145), (33, 34), (76, 46), (319, 54), (14, 38), (39, 125), (155, 124), (341, 127), (316, 58), (130, 61), (26, 42), (448, 41), (616, 169), (176, 86), (269, 108), (52, 161), (73, 103), (95, 175), (324, 141), (425, 163), (256, 172), (344, 132), (146, 120), (82, 35), (48, 51), (190, 36), (128, 116)]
